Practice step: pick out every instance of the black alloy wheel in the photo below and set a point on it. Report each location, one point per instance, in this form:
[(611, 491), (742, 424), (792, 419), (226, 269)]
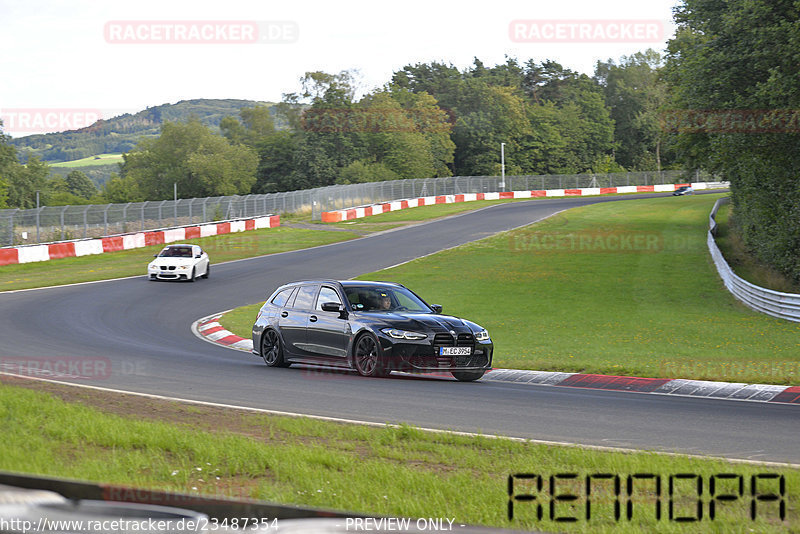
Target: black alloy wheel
[(367, 357), (271, 349)]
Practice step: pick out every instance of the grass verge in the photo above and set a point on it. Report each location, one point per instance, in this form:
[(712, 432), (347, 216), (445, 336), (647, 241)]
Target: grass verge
[(618, 288), (400, 471), (220, 248)]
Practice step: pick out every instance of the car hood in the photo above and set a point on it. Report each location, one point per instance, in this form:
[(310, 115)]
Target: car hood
[(172, 261), (423, 322)]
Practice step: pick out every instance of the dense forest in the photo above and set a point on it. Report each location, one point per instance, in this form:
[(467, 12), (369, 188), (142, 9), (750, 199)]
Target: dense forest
[(723, 99)]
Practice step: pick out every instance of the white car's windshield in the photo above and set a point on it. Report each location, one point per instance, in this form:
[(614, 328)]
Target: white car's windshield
[(384, 299), (176, 252)]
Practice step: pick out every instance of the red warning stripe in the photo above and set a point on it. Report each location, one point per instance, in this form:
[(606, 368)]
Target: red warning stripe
[(621, 383), (230, 340), (212, 330), (790, 395)]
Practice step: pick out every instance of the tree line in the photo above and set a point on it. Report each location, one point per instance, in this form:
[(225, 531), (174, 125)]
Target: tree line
[(429, 120)]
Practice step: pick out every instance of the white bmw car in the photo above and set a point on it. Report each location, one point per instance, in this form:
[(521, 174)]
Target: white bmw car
[(179, 262)]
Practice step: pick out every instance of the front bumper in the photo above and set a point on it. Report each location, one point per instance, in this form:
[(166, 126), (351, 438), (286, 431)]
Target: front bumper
[(402, 355), (175, 273)]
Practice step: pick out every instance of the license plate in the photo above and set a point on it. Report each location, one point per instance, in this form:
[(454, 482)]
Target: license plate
[(455, 351)]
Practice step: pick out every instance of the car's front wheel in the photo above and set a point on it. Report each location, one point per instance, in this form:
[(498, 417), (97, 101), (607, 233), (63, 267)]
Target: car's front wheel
[(271, 349), (468, 376), (208, 271), (367, 357)]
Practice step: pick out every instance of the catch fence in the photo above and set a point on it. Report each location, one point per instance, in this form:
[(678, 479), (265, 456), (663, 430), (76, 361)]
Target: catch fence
[(58, 223)]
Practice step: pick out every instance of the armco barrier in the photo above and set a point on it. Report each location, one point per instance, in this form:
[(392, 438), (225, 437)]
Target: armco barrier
[(384, 207), (86, 247), (774, 303)]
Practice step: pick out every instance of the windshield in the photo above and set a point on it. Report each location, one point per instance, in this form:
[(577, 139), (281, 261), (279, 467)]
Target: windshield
[(384, 299), (176, 252)]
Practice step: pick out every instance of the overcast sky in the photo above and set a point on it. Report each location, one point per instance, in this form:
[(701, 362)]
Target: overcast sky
[(112, 56)]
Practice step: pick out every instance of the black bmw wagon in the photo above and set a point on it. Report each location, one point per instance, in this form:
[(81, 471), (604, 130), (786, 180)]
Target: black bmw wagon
[(372, 327)]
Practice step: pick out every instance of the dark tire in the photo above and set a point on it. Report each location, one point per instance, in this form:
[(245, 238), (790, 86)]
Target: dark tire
[(208, 271), (191, 276), (367, 357), (271, 349), (468, 376)]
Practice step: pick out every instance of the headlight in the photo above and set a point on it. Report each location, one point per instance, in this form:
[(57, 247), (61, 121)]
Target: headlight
[(402, 334), (483, 335), (183, 267)]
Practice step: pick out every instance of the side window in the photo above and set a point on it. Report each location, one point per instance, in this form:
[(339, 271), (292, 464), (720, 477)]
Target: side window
[(283, 297), (327, 294), (305, 298)]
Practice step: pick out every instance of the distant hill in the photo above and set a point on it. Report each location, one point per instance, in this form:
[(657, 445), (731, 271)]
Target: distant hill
[(120, 134)]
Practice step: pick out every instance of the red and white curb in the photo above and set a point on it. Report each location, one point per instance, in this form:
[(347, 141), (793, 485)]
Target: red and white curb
[(209, 329), (385, 207), (86, 247)]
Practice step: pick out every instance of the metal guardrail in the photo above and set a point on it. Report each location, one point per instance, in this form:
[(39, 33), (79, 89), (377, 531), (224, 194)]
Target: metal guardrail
[(774, 303)]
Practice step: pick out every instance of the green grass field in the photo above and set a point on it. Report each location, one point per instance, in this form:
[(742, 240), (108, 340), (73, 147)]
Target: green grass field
[(134, 262), (402, 471), (99, 159), (619, 288)]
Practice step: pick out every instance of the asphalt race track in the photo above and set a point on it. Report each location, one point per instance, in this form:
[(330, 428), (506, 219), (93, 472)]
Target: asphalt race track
[(142, 329)]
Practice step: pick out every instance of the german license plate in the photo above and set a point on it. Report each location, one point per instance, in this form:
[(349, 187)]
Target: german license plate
[(455, 351)]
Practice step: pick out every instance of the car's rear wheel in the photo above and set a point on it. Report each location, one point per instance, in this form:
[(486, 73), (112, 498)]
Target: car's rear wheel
[(468, 376), (367, 357), (208, 271), (271, 349)]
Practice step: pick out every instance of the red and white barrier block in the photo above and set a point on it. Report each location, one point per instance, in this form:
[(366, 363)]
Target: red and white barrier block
[(375, 209), (86, 247)]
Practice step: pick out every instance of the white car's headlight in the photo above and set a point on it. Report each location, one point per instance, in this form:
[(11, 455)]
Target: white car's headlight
[(483, 335), (403, 334), (183, 266)]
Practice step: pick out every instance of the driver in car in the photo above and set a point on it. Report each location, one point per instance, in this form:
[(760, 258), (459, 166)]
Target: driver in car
[(384, 303)]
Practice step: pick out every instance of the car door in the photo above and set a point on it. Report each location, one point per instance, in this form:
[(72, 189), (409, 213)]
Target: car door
[(328, 332), (293, 320), (201, 259)]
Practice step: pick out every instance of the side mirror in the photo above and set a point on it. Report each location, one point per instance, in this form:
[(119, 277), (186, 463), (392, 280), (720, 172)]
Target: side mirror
[(437, 308), (335, 307), (155, 255), (198, 256), (331, 307)]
